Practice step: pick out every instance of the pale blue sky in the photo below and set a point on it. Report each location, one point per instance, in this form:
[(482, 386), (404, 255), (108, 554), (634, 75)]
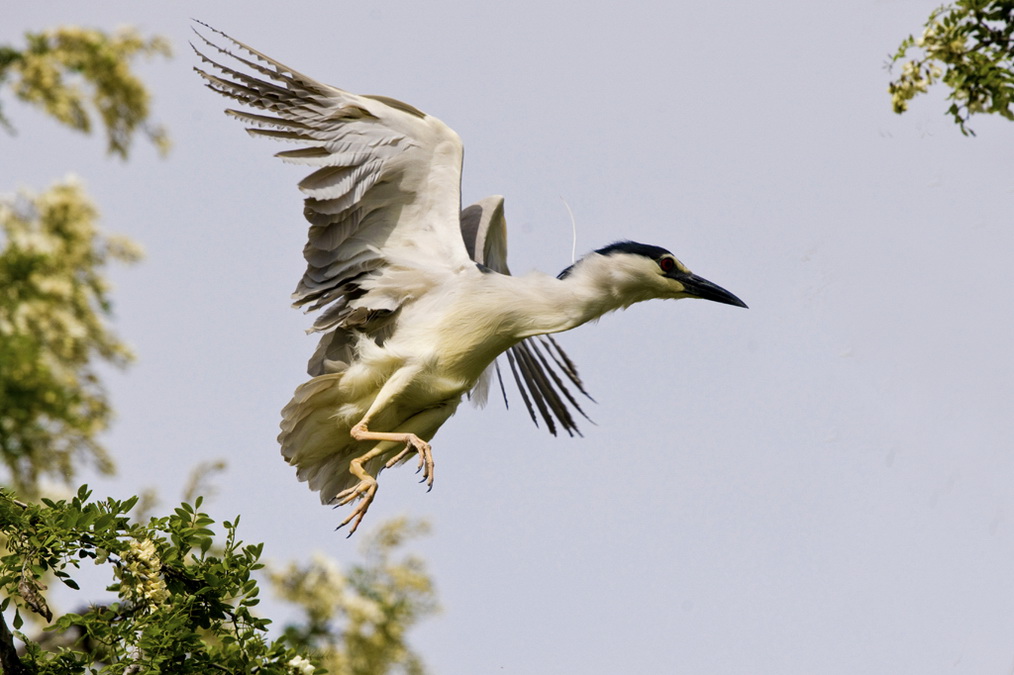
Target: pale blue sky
[(820, 484)]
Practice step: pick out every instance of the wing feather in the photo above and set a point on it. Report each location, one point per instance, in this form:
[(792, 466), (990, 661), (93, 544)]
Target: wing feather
[(385, 183)]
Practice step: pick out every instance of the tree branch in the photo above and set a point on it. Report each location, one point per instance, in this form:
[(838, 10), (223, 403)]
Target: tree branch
[(9, 661)]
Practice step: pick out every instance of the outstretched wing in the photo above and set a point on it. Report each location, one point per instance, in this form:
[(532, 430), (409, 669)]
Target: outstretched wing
[(538, 364), (385, 186)]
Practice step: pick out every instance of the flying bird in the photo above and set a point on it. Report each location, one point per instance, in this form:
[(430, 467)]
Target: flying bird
[(414, 295)]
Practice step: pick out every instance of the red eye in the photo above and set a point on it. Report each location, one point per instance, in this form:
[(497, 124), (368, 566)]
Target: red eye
[(667, 264)]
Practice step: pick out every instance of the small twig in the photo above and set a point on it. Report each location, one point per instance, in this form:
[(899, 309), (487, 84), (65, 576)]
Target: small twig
[(16, 502)]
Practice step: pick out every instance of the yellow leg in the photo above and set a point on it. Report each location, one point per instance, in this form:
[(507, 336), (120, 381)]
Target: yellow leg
[(412, 443), (365, 488)]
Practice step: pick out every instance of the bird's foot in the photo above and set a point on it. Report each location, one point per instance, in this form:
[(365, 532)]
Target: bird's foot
[(364, 489), (415, 444)]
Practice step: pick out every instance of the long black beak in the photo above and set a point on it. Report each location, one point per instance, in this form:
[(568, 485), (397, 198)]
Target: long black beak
[(698, 287)]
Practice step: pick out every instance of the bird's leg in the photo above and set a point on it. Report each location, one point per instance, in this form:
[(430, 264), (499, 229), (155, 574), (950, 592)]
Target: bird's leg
[(365, 488), (360, 432), (392, 389)]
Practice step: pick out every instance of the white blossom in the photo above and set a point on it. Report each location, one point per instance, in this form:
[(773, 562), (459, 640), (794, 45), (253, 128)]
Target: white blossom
[(141, 574), (301, 666)]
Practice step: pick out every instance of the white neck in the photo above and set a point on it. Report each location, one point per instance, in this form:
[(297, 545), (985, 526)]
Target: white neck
[(595, 286)]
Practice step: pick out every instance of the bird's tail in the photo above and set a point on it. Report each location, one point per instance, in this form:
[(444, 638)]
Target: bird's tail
[(315, 436)]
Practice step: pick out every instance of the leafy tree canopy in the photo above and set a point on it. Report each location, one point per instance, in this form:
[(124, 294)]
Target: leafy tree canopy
[(54, 305), (968, 46), (64, 69), (54, 297), (184, 602)]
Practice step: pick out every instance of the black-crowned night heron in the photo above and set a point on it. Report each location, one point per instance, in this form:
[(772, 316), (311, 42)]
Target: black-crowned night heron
[(416, 296)]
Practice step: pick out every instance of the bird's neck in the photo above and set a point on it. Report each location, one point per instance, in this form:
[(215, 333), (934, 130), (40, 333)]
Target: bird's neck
[(592, 287)]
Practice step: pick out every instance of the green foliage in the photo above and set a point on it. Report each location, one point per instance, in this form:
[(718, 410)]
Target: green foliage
[(181, 606), (969, 46), (184, 599), (64, 69), (377, 602), (54, 299), (54, 302)]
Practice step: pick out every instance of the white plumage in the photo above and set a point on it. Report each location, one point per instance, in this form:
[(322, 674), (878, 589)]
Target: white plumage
[(415, 298)]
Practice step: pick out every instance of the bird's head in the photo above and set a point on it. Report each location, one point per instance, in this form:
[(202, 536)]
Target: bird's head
[(636, 272)]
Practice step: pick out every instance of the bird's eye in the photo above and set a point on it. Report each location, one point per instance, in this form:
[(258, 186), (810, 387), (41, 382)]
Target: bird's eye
[(667, 264)]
